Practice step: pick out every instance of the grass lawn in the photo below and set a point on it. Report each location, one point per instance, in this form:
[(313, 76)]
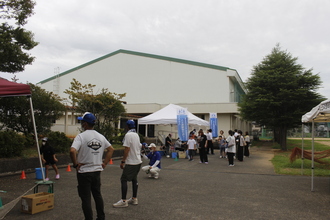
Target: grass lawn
[(282, 164)]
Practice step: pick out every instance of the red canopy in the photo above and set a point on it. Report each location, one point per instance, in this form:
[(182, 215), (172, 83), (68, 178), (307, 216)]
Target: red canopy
[(8, 88)]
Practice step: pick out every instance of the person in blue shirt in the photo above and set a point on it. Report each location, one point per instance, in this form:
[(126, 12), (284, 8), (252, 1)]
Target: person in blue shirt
[(154, 165)]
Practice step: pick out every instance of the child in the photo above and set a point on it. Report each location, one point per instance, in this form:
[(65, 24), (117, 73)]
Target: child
[(191, 147), (48, 157), (222, 143)]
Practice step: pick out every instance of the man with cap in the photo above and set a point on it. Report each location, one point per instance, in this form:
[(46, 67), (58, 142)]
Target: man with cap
[(154, 165), (86, 154), (131, 165)]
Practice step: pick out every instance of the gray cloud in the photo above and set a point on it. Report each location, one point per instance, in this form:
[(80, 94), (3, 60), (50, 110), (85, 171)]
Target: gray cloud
[(235, 34)]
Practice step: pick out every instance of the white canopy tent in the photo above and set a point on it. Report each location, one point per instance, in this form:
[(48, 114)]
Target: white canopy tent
[(320, 113), (168, 116)]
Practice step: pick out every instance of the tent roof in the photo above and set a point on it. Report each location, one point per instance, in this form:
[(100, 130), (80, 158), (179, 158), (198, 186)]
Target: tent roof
[(168, 115), (8, 88), (320, 113)]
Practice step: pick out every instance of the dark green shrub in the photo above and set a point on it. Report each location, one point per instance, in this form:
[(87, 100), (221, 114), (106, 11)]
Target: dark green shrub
[(59, 141), (11, 144)]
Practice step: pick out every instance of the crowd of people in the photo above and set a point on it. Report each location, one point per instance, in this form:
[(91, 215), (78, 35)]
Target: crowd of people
[(235, 145)]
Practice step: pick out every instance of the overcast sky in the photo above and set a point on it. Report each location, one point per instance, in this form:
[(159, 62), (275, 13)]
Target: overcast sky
[(233, 33)]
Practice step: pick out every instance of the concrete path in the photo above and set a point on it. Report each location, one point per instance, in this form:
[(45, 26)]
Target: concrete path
[(189, 190)]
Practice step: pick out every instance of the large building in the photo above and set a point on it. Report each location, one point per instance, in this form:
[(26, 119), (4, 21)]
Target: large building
[(151, 82)]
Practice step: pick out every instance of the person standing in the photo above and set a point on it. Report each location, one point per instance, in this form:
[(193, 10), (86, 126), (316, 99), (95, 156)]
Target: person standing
[(191, 147), (236, 140), (231, 150), (154, 165), (222, 146), (86, 154), (48, 157), (209, 142), (131, 165), (202, 140), (240, 146), (247, 144), (168, 144)]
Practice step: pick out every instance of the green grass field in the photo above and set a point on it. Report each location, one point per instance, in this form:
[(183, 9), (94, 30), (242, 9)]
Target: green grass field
[(282, 164)]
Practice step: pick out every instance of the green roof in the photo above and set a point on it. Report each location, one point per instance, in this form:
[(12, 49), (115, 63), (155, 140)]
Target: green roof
[(138, 54)]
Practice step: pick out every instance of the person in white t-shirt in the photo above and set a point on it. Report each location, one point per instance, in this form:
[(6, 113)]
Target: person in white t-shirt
[(131, 165), (231, 150), (209, 142), (86, 154), (191, 147)]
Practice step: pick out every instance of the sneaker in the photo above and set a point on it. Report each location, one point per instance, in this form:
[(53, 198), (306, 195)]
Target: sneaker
[(150, 175), (220, 156), (47, 179), (120, 204), (156, 177), (200, 162), (206, 162), (57, 176), (231, 165), (132, 201)]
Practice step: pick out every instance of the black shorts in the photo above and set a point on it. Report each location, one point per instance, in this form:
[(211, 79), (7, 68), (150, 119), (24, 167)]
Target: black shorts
[(52, 162), (130, 172)]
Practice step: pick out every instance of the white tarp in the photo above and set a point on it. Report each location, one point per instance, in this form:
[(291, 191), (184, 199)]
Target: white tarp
[(168, 115), (320, 113)]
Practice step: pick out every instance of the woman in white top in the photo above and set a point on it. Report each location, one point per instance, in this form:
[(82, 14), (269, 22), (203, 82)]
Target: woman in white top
[(231, 150), (246, 147)]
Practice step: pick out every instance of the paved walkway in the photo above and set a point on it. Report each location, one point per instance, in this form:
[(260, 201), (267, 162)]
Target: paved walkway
[(189, 190)]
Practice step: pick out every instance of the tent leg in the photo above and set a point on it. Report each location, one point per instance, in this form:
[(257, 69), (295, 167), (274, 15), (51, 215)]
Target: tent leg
[(36, 138), (302, 151), (312, 185)]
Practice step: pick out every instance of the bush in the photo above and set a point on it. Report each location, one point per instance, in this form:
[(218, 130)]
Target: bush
[(59, 141), (12, 144)]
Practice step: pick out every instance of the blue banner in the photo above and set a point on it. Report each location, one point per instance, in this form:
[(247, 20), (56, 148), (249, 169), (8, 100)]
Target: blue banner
[(214, 124), (182, 122)]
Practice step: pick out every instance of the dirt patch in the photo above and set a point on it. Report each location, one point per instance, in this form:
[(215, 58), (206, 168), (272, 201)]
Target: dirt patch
[(323, 142)]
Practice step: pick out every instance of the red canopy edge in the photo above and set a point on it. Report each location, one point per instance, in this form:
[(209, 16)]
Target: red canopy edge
[(8, 88)]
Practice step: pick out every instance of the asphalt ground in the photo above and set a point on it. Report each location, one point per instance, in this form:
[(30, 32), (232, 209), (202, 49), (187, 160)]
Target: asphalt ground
[(187, 190)]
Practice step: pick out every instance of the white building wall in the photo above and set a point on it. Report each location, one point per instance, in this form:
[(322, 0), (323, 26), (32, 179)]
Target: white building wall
[(152, 83), (149, 80)]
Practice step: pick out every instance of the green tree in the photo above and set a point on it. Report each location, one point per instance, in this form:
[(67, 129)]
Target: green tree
[(15, 111), (15, 41), (106, 106), (280, 91)]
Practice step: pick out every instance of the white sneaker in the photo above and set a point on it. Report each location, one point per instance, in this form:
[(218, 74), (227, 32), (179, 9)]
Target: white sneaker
[(132, 201), (120, 204), (156, 176)]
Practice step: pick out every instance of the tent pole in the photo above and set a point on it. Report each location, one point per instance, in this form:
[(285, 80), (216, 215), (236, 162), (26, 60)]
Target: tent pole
[(36, 138), (302, 151), (312, 187)]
